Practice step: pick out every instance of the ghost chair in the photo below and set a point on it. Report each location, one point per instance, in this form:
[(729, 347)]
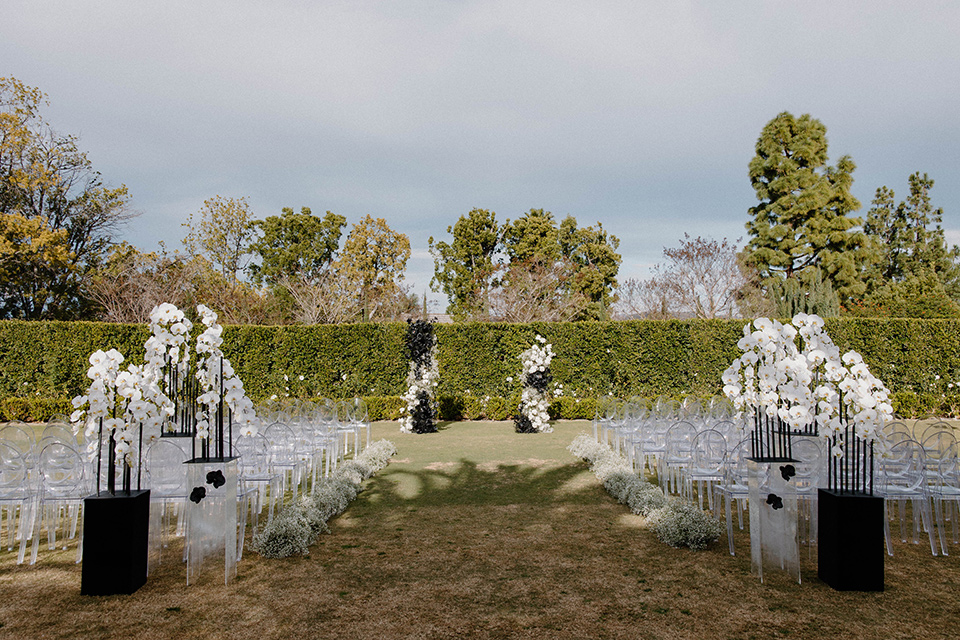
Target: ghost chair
[(63, 486)]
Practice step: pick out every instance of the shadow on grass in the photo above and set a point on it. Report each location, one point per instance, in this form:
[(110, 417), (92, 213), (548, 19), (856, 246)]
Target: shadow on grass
[(466, 483)]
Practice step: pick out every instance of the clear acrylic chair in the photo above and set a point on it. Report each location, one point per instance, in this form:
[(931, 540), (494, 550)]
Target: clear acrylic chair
[(20, 436), (902, 479), (734, 488), (284, 457), (677, 453), (810, 468), (16, 499), (256, 472), (706, 465), (945, 493), (63, 486), (361, 420), (347, 426), (166, 477)]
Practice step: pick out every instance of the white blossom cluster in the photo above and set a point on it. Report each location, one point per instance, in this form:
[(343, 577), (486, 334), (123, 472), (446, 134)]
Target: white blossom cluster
[(538, 357), (169, 341), (534, 404), (419, 379), (803, 385), (124, 401), (213, 368)]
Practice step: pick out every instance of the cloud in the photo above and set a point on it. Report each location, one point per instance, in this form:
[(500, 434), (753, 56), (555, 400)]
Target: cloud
[(639, 115)]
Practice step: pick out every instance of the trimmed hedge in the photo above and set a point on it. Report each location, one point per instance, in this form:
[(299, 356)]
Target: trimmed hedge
[(915, 358)]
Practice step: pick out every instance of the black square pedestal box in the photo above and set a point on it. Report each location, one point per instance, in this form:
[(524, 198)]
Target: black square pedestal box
[(850, 541), (115, 541)]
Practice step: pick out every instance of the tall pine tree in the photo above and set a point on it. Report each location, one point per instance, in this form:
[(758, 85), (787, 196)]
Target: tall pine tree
[(802, 222), (909, 239)]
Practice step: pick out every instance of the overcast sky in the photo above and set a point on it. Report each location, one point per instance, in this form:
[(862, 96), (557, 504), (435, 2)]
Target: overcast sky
[(640, 115)]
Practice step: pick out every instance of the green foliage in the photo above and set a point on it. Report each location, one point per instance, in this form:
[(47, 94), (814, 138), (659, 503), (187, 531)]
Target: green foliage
[(373, 261), (905, 242), (296, 246), (917, 296), (464, 268), (814, 295), (33, 409), (594, 253), (631, 358), (57, 219), (222, 233), (802, 220)]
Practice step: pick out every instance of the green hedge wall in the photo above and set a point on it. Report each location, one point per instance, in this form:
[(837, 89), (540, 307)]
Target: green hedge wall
[(917, 359)]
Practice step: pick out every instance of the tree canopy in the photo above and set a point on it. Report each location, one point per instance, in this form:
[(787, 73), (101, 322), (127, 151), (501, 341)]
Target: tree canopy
[(48, 186), (296, 246), (908, 239), (465, 267), (803, 219)]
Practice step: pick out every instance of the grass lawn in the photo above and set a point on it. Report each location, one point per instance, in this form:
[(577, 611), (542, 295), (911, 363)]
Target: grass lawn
[(480, 532)]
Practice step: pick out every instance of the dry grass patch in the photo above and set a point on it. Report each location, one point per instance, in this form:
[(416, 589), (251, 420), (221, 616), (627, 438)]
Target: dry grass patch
[(485, 545)]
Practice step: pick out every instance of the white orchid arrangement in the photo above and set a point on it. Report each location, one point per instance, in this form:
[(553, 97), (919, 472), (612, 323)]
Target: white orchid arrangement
[(128, 401), (215, 373), (123, 402), (535, 374), (807, 385)]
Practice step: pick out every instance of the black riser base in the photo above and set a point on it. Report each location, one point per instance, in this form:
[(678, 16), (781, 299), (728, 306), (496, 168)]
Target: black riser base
[(115, 541), (850, 541)]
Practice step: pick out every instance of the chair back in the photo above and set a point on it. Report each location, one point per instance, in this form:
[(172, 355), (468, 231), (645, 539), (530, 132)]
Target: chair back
[(14, 472), (709, 451), (166, 473), (18, 437), (254, 454), (902, 467), (810, 464), (61, 471)]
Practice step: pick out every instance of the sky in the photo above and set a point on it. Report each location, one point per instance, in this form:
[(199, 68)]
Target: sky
[(640, 115)]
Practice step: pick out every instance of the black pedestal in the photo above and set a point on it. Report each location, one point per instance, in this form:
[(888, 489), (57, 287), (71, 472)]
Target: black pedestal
[(850, 540), (115, 542)]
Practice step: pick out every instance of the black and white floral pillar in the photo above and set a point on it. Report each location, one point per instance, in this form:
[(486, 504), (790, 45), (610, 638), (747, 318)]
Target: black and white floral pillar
[(422, 379)]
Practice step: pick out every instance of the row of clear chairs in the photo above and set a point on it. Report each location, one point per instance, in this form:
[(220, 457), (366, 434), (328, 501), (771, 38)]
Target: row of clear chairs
[(42, 486), (298, 443)]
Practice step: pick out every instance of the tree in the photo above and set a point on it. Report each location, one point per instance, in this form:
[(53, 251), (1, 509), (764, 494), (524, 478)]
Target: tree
[(702, 278), (916, 296), (803, 221), (326, 300), (905, 242), (533, 236), (373, 262), (591, 252), (464, 268), (296, 246), (818, 297), (45, 177), (648, 299), (594, 253), (131, 283), (29, 251), (221, 234), (536, 291)]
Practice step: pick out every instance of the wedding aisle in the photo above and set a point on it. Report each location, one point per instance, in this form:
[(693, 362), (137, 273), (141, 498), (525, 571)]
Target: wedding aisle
[(479, 532)]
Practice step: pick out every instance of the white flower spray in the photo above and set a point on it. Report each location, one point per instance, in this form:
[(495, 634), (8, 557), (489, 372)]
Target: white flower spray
[(534, 399)]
